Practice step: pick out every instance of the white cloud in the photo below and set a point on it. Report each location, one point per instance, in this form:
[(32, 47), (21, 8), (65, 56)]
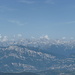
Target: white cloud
[(0, 36), (3, 38), (66, 23), (36, 1), (45, 37), (27, 1), (5, 8), (19, 35), (49, 1), (70, 22), (72, 38), (17, 22), (63, 38)]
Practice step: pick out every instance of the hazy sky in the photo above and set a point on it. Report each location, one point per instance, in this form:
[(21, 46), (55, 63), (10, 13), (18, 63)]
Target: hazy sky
[(55, 18)]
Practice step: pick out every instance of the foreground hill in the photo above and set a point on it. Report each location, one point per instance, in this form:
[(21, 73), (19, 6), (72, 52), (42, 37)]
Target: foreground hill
[(24, 73), (47, 72), (57, 72)]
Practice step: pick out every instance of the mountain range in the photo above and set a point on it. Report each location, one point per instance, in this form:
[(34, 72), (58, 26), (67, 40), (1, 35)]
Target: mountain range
[(37, 55)]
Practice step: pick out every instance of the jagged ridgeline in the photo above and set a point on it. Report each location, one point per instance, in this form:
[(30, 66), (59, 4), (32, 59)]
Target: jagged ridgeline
[(35, 55)]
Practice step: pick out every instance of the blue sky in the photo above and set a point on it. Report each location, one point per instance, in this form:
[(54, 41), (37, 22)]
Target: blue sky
[(55, 18)]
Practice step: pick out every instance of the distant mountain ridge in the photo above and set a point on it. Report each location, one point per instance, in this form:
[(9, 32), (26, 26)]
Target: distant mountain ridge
[(35, 55)]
